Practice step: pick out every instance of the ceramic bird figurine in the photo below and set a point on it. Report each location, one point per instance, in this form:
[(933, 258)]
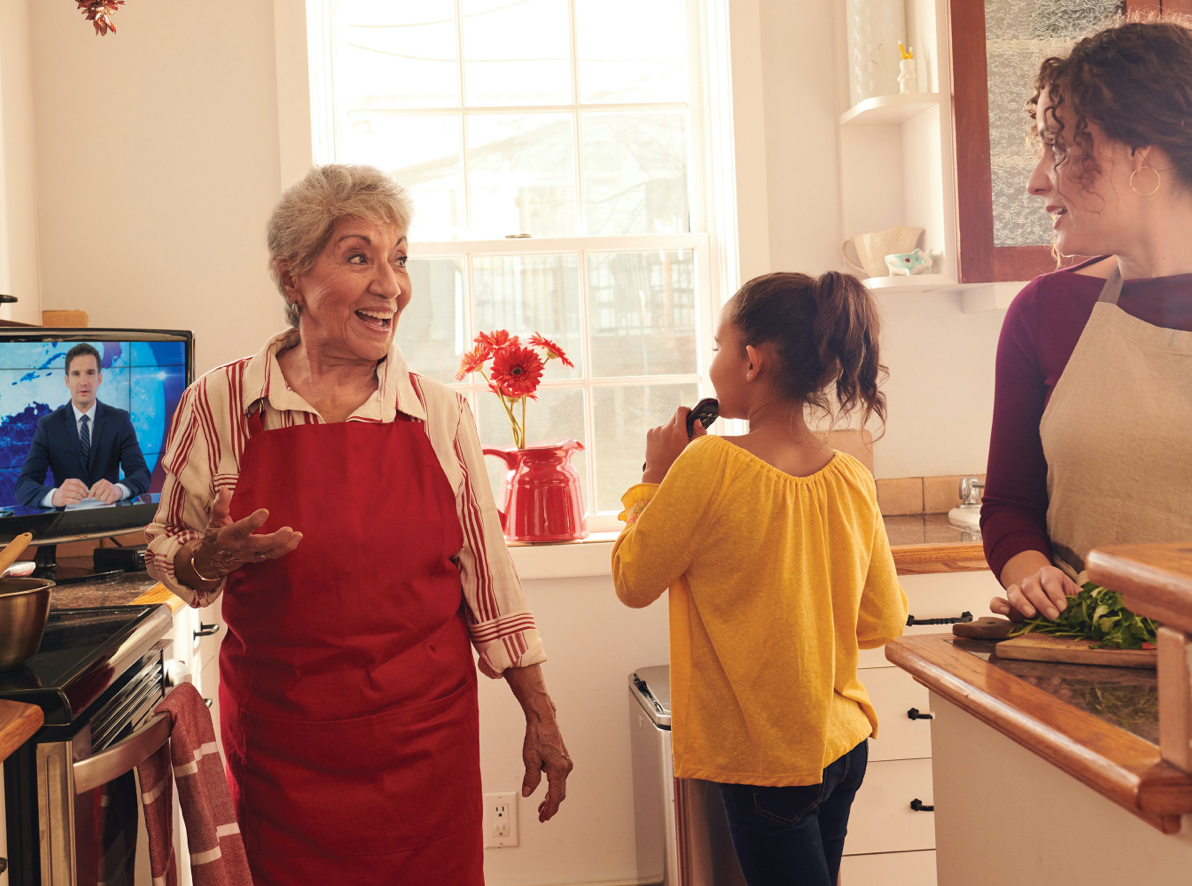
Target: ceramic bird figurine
[(907, 263)]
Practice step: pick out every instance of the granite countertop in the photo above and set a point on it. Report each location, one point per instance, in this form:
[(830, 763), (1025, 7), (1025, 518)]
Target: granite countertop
[(925, 543), (1099, 724), (1124, 697), (124, 589), (120, 590)]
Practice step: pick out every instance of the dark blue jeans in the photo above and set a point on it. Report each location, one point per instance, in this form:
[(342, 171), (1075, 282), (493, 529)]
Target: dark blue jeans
[(794, 836)]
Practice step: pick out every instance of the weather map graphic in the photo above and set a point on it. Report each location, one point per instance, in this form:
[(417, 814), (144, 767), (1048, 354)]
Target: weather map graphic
[(145, 378)]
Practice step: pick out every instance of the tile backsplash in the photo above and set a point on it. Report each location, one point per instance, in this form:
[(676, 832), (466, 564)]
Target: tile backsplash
[(920, 495)]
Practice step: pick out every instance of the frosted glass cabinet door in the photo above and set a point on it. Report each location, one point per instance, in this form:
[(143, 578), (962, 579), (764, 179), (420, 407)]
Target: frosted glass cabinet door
[(1005, 235), (1017, 35)]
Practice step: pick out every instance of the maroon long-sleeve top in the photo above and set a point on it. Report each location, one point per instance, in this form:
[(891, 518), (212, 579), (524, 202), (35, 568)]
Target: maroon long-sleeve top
[(1040, 331)]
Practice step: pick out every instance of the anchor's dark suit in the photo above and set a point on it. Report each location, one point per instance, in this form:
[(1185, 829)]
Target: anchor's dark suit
[(56, 446)]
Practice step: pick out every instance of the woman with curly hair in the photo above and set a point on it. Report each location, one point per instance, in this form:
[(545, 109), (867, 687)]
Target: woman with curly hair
[(1093, 401)]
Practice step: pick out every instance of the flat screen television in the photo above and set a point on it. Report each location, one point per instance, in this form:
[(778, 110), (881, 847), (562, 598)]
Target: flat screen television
[(143, 372)]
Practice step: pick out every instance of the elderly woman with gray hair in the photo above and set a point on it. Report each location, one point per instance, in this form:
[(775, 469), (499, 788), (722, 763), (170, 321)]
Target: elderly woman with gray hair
[(339, 503)]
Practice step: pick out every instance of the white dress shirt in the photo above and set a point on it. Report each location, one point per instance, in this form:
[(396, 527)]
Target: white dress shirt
[(125, 492)]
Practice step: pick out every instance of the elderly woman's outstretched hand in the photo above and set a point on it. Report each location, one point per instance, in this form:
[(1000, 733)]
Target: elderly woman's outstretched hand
[(227, 545)]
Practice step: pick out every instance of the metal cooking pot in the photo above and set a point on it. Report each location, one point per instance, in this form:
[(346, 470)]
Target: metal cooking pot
[(24, 608)]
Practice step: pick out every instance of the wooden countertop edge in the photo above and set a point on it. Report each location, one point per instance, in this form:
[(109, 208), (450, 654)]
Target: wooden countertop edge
[(17, 722), (1153, 579), (159, 593), (1116, 764), (929, 558)]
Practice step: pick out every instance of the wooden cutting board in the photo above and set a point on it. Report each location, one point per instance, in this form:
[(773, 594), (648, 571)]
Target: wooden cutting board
[(1043, 647)]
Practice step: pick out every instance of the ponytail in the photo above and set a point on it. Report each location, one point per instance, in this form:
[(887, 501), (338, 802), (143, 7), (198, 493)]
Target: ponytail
[(825, 333)]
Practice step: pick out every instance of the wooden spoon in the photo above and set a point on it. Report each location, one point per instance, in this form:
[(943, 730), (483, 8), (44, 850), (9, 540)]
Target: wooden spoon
[(14, 549)]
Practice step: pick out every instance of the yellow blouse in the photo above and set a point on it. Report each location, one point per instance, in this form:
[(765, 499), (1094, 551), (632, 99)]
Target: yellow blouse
[(776, 582)]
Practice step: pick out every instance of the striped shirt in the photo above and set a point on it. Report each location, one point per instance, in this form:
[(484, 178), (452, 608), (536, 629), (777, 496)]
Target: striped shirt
[(202, 458)]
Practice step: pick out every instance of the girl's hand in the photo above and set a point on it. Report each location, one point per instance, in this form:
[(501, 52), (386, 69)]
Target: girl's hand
[(1046, 591), (665, 443)]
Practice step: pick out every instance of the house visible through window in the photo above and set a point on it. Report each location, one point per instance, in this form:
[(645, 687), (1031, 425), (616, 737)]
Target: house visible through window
[(554, 153)]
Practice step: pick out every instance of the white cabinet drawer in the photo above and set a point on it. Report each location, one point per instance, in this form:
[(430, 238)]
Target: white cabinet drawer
[(882, 819), (889, 869), (894, 692), (939, 595)]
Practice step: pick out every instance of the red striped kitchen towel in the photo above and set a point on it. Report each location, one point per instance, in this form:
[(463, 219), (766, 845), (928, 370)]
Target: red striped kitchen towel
[(216, 850)]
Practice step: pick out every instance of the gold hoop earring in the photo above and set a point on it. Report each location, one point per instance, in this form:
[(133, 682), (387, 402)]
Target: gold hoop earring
[(1158, 181)]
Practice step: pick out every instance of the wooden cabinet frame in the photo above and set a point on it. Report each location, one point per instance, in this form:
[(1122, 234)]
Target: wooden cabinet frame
[(978, 260)]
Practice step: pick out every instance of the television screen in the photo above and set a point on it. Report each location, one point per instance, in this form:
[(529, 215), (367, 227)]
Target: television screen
[(139, 381)]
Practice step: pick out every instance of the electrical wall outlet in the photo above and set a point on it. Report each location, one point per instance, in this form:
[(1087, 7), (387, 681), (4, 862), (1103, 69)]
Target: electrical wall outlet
[(500, 820)]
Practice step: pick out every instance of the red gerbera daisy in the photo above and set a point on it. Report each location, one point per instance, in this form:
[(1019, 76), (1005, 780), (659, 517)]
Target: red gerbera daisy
[(552, 350), (99, 13), (496, 340), (516, 371), (471, 361)]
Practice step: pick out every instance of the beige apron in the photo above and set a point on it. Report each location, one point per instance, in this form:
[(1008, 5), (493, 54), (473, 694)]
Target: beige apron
[(1117, 435)]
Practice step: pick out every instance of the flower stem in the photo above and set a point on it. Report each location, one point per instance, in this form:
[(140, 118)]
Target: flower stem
[(513, 426), (523, 424)]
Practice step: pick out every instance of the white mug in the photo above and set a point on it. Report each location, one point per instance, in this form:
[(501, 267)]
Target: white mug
[(872, 249)]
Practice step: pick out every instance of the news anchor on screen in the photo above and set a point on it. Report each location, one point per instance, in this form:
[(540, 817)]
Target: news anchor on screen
[(85, 443)]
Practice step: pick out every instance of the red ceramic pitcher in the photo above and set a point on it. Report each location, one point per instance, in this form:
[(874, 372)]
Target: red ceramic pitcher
[(542, 493)]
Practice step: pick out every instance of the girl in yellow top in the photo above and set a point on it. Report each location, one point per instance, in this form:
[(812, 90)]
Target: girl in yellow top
[(779, 570)]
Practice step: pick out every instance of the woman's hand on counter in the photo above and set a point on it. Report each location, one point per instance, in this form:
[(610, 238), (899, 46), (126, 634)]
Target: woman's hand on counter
[(228, 544), (543, 749), (1033, 587)]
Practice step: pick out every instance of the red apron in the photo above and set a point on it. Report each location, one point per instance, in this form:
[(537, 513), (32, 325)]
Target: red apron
[(348, 688)]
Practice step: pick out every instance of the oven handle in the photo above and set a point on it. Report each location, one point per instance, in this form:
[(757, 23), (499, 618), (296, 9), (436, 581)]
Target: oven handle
[(124, 756)]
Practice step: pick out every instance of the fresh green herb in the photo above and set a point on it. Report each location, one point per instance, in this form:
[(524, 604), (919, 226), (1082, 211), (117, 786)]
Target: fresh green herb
[(1096, 613)]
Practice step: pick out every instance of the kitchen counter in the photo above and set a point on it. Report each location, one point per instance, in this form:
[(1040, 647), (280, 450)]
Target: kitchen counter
[(126, 589), (17, 722), (927, 543), (1097, 724), (921, 544)]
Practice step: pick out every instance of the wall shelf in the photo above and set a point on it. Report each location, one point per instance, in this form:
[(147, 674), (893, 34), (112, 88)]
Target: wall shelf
[(977, 297), (914, 283), (884, 110)]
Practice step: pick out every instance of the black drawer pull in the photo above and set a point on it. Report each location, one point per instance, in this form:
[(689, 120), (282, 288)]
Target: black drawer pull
[(919, 806), (963, 618), (206, 630), (913, 714)]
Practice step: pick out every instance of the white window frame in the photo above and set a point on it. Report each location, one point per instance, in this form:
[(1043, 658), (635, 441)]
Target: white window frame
[(711, 192)]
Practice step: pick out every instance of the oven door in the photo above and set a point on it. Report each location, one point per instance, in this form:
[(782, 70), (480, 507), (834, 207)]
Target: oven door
[(89, 803)]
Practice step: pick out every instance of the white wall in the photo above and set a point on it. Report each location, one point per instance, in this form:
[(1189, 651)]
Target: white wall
[(158, 167), (593, 643), (18, 196)]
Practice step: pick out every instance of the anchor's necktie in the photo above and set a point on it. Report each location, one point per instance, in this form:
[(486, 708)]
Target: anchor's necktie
[(85, 438)]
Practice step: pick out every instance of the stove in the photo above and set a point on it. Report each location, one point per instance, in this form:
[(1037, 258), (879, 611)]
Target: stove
[(97, 677)]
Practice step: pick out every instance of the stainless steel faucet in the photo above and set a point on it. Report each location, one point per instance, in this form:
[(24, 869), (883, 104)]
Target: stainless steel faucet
[(970, 492)]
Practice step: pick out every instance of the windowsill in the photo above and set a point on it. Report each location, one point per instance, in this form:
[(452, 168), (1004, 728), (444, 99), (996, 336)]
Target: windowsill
[(587, 558)]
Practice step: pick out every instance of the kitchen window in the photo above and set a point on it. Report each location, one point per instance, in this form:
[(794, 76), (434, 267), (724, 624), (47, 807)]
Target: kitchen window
[(556, 154)]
